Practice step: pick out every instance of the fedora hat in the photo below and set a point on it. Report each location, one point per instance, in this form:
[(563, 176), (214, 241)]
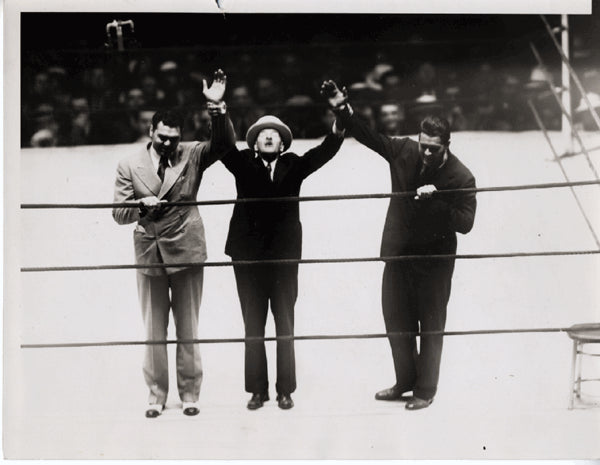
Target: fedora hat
[(269, 122)]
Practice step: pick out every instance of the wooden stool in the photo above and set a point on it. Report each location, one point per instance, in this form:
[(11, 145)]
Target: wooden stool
[(581, 334)]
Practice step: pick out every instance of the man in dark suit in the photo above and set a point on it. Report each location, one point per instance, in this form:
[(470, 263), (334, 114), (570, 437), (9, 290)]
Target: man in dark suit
[(270, 230), (415, 293), (169, 171)]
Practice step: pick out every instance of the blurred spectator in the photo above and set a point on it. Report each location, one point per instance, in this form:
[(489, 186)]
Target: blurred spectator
[(43, 119), (243, 111), (43, 138), (582, 116), (511, 111), (426, 83), (109, 105), (100, 94), (153, 96), (537, 89), (302, 116), (390, 119), (269, 95), (81, 125), (40, 90), (143, 124), (170, 85), (417, 110), (198, 126), (373, 78), (126, 122), (392, 87)]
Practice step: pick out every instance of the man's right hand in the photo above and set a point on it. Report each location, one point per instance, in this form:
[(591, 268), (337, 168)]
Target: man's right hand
[(335, 97), (151, 206)]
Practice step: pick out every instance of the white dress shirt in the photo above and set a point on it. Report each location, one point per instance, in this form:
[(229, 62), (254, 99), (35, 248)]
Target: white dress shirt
[(155, 158)]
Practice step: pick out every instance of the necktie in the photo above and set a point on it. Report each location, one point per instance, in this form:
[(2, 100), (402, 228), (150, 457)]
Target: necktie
[(426, 171), (162, 167), (270, 170)]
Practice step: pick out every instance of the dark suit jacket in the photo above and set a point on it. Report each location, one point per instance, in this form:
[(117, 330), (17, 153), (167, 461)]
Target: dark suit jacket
[(271, 229), (176, 234), (426, 226)]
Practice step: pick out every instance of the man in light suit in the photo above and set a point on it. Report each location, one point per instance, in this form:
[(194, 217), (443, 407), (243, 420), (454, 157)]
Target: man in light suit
[(169, 171), (270, 230)]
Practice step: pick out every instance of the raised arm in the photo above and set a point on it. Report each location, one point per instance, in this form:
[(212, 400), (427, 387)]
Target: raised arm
[(222, 137), (347, 119), (322, 153)]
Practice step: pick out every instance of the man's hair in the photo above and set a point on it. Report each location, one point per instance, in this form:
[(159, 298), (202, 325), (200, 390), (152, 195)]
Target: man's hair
[(435, 126), (172, 118)]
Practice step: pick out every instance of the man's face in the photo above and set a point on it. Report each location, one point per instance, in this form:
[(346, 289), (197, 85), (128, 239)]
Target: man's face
[(240, 97), (269, 143), (389, 116), (431, 149), (165, 139)]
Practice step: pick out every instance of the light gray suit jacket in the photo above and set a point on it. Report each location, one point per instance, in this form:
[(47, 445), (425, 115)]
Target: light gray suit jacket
[(176, 234)]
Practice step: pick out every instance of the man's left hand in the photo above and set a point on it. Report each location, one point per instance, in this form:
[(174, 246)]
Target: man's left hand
[(335, 97), (216, 91), (425, 192)]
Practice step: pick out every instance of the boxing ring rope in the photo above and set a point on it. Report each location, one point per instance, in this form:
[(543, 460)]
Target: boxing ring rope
[(311, 261), (403, 194), (326, 337), (572, 72), (391, 195), (399, 194), (565, 112), (563, 170)]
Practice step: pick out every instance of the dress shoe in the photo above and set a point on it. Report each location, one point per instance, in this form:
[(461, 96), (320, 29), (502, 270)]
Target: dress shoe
[(416, 403), (191, 408), (393, 393), (285, 401), (154, 410), (257, 400)]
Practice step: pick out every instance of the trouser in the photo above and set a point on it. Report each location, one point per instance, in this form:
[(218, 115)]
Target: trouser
[(414, 297), (185, 294), (257, 285)]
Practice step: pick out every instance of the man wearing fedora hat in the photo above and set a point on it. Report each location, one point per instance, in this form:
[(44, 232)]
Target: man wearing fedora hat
[(266, 231)]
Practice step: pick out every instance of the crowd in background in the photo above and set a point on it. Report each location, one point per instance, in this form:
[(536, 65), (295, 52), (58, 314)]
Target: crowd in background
[(109, 98)]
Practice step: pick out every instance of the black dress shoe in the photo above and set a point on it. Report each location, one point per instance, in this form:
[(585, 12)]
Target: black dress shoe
[(285, 401), (416, 403), (393, 393), (154, 410), (257, 400), (191, 408)]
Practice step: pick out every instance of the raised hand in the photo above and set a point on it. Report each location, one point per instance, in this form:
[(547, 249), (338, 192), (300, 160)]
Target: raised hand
[(335, 97), (215, 92)]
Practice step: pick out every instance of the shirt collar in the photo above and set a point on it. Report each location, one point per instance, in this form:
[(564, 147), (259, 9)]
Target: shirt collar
[(155, 156), (265, 162)]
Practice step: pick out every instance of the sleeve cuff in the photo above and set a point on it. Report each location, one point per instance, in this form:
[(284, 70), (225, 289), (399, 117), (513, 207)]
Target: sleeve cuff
[(338, 132)]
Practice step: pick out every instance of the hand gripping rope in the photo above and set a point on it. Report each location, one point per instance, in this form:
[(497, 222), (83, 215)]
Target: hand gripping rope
[(405, 194)]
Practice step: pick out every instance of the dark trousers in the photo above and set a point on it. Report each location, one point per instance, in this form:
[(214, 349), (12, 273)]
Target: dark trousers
[(257, 285), (414, 296)]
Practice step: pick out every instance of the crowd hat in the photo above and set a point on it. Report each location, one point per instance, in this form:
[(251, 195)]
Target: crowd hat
[(269, 122)]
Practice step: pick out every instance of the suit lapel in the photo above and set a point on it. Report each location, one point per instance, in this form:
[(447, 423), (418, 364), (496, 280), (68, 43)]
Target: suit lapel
[(173, 172), (281, 167), (145, 171), (262, 169)]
